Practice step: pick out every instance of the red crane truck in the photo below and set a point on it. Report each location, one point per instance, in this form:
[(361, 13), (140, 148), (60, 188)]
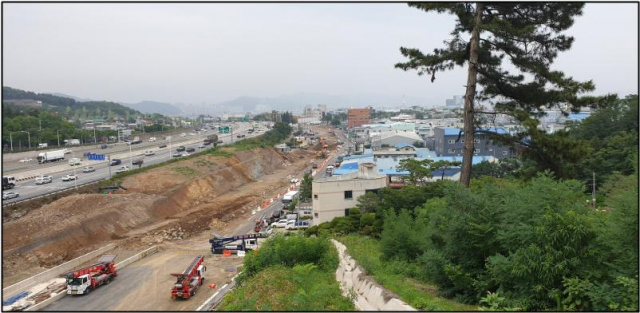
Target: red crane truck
[(190, 280), (85, 280)]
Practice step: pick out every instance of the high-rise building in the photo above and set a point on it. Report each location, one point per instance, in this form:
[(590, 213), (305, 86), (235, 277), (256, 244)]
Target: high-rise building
[(358, 117)]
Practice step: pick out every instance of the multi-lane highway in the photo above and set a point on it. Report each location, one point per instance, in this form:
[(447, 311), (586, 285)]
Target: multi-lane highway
[(28, 189)]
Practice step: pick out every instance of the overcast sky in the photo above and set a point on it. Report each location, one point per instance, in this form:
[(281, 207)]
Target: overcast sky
[(215, 52)]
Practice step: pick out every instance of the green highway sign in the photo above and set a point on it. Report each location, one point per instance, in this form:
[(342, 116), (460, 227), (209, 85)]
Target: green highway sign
[(223, 130)]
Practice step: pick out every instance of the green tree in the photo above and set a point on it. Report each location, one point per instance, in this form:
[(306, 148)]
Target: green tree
[(305, 187), (530, 36), (419, 170)]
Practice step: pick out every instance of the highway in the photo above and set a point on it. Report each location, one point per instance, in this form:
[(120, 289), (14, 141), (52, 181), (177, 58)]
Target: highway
[(29, 189)]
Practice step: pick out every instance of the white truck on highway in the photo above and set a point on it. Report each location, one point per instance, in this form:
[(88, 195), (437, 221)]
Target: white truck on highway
[(72, 142), (51, 156)]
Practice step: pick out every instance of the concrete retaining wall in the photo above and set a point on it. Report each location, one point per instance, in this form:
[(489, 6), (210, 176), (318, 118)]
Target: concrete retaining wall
[(53, 272), (119, 266), (369, 295)]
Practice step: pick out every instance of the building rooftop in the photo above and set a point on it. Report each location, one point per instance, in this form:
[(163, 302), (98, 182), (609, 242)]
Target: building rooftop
[(365, 171)]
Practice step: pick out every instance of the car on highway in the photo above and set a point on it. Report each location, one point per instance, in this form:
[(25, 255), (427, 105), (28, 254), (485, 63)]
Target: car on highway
[(167, 137), (149, 153), (280, 223), (122, 169), (294, 180), (162, 146), (69, 177), (191, 149), (88, 169), (137, 162), (9, 195), (152, 139), (202, 146), (219, 141), (181, 148), (25, 160), (43, 180), (186, 154), (115, 162), (104, 147)]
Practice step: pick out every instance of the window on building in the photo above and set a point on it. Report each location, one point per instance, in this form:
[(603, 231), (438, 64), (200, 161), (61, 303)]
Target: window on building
[(505, 152), (348, 194), (315, 197), (452, 141), (315, 214), (451, 151), (346, 212)]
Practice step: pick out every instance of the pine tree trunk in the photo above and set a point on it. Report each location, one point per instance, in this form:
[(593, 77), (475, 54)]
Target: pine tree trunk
[(467, 154)]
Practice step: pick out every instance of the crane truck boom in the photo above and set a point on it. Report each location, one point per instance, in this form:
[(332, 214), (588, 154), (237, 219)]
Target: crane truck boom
[(190, 280), (249, 242), (85, 280)]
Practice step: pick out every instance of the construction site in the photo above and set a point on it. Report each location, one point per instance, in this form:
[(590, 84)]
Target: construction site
[(171, 211)]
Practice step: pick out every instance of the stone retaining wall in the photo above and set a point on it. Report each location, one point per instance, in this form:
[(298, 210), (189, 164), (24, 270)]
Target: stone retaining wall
[(369, 295)]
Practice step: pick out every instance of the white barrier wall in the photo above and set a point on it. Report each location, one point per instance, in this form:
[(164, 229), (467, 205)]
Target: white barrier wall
[(369, 295), (53, 272)]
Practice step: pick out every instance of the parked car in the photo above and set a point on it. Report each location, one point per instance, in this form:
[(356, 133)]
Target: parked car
[(69, 177), (9, 195), (43, 180), (191, 149), (162, 146), (290, 225), (280, 224), (122, 169), (268, 230), (115, 162), (88, 169)]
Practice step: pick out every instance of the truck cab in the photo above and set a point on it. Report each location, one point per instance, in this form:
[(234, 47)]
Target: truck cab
[(78, 285)]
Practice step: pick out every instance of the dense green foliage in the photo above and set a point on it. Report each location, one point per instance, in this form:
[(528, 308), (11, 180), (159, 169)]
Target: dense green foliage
[(289, 273), (305, 187), (368, 252)]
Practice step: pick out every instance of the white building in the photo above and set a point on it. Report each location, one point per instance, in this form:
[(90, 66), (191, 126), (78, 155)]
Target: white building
[(391, 139), (334, 196)]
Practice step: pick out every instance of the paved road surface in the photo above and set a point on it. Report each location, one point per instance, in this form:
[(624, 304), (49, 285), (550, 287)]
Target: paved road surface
[(28, 189)]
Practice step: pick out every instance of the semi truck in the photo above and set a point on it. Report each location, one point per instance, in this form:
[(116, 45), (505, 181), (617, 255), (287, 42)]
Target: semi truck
[(248, 242), (211, 139), (190, 280), (85, 280), (51, 156), (8, 182)]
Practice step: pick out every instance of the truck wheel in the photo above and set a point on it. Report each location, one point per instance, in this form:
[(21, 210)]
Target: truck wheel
[(106, 282), (87, 291)]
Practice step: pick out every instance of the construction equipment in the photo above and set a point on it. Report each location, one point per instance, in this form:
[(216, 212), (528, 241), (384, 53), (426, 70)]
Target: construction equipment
[(249, 242), (190, 280), (85, 280)]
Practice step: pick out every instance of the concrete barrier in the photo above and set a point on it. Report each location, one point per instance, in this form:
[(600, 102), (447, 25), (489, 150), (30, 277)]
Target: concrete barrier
[(369, 295), (53, 272), (119, 266), (137, 257)]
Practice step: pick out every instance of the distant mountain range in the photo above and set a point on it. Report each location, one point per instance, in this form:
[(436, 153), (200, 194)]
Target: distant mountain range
[(292, 102)]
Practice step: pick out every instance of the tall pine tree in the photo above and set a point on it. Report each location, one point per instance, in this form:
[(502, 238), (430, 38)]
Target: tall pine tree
[(529, 36)]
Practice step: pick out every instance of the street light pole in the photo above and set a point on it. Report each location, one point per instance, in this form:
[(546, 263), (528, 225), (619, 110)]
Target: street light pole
[(130, 154), (170, 148), (29, 137), (58, 134), (75, 181), (11, 142)]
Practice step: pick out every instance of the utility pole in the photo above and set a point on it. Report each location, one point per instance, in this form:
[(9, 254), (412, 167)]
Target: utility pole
[(593, 192), (109, 164), (58, 135), (231, 131)]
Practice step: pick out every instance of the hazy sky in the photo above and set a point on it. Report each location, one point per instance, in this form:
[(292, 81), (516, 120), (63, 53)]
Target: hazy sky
[(214, 52)]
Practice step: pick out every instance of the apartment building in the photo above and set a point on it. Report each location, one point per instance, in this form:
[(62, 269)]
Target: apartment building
[(447, 144), (334, 196), (358, 117)]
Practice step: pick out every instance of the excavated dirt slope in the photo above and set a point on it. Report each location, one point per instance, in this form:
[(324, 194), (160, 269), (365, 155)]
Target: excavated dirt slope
[(167, 203)]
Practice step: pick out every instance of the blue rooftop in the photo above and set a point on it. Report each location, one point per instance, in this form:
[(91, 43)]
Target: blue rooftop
[(404, 144), (578, 116)]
